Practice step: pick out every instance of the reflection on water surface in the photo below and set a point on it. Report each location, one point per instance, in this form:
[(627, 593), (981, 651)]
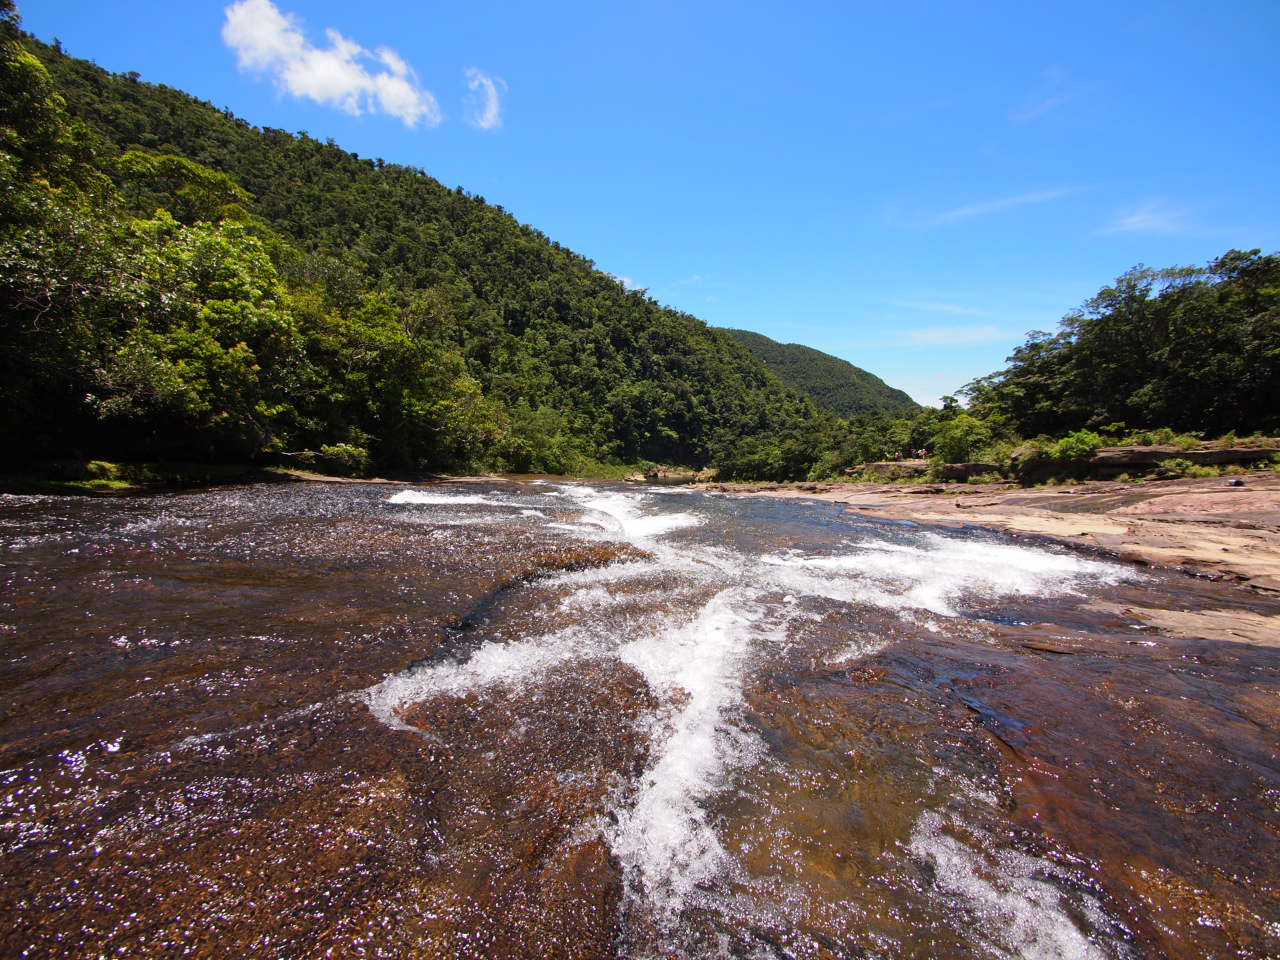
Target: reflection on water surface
[(552, 719)]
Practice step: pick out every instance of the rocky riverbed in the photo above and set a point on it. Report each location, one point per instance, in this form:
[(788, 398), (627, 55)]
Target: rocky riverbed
[(515, 719), (1207, 527)]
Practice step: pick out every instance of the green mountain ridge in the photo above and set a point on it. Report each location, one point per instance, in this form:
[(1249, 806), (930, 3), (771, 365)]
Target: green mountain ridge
[(833, 384), (183, 284)]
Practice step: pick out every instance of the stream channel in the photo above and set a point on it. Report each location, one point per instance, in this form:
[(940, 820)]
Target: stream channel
[(544, 719)]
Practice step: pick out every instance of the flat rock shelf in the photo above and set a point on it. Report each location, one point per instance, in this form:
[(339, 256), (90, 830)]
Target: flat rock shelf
[(548, 719)]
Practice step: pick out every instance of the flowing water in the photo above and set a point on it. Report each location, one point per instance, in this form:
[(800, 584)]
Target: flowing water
[(548, 719)]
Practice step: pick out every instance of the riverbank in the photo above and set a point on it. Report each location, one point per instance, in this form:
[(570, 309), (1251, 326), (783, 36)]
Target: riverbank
[(98, 478), (112, 478), (1202, 526)]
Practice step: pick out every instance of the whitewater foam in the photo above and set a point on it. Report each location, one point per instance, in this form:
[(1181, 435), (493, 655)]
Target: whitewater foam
[(663, 836), (421, 498), (1020, 911), (938, 573), (621, 514), (493, 664), (663, 830)]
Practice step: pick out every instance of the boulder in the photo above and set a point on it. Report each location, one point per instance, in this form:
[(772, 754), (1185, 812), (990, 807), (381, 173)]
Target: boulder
[(963, 471), (894, 469), (1110, 462), (665, 476)]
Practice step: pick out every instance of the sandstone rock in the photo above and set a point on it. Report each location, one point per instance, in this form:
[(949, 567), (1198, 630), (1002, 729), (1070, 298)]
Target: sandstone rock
[(666, 476), (895, 469), (1113, 461), (963, 471)]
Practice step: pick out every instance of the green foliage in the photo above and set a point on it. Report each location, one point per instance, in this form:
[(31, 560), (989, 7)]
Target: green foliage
[(193, 191), (541, 440), (958, 439), (787, 454), (1175, 467), (1193, 349), (833, 384), (178, 283), (1078, 446), (999, 452), (344, 459)]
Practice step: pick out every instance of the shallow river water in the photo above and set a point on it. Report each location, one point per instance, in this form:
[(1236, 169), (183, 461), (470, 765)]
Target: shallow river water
[(551, 719)]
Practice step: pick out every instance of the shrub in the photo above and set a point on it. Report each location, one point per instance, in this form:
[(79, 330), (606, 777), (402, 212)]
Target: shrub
[(344, 459), (828, 467), (1114, 431), (1174, 467), (1078, 446), (957, 439), (1037, 448), (998, 451)]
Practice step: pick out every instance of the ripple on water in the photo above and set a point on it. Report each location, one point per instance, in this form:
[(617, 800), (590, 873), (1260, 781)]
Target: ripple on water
[(648, 725)]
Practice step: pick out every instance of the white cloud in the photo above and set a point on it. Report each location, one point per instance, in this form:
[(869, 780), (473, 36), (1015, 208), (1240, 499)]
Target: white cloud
[(952, 336), (485, 100), (1152, 217), (936, 307), (627, 282), (996, 206), (339, 75)]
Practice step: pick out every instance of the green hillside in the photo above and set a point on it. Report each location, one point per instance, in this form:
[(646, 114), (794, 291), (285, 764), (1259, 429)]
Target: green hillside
[(179, 283), (833, 384)]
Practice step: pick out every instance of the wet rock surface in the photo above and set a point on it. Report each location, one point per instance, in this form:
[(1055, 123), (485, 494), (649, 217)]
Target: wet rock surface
[(1203, 525), (532, 720)]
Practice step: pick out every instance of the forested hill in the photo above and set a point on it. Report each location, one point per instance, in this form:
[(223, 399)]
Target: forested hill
[(833, 384), (179, 283)]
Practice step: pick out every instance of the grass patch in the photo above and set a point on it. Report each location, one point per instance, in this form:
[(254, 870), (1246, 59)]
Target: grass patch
[(594, 470), (107, 477)]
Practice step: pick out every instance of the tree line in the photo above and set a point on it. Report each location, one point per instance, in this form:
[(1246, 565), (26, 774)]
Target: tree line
[(1158, 356), (177, 284)]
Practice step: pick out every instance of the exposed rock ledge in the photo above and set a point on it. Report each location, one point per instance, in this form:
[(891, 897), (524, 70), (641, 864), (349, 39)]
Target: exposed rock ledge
[(1202, 526)]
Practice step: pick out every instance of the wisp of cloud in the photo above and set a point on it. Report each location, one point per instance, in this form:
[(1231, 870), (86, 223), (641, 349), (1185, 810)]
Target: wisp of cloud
[(340, 75), (485, 102), (1152, 217), (953, 335)]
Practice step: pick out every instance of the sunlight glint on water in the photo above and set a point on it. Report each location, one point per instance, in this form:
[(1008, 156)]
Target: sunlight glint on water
[(662, 832)]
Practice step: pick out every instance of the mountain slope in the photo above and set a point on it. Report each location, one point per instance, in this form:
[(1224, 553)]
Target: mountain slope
[(833, 384), (395, 316)]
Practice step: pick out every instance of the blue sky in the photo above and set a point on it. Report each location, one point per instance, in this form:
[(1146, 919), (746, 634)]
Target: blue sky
[(910, 186)]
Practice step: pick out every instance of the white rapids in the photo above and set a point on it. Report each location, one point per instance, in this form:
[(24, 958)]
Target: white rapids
[(695, 665)]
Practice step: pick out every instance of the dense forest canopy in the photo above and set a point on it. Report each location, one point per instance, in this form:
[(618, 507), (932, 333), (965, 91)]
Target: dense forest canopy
[(833, 384), (1158, 356), (1194, 349), (178, 283), (175, 283)]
